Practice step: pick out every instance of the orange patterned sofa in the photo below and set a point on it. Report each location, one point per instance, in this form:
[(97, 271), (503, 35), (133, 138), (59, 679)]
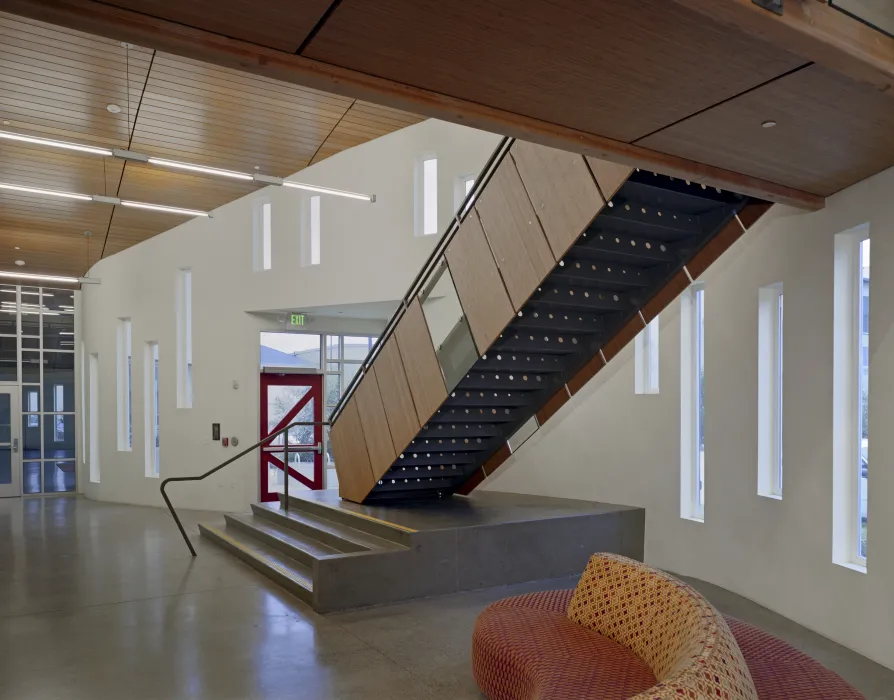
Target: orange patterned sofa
[(631, 632)]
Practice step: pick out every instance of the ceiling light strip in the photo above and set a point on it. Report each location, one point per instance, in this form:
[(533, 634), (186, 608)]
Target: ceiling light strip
[(102, 199), (39, 278), (180, 165), (82, 148)]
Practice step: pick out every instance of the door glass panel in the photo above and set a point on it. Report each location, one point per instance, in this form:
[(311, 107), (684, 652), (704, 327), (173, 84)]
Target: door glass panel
[(303, 434), (5, 465), (58, 477), (281, 400), (31, 477), (5, 420)]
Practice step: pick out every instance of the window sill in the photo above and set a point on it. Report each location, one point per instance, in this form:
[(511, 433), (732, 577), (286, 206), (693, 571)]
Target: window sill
[(771, 496), (859, 568), (694, 519), (125, 449)]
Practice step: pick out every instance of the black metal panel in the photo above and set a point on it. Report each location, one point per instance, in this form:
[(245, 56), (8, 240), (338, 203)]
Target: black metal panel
[(625, 257)]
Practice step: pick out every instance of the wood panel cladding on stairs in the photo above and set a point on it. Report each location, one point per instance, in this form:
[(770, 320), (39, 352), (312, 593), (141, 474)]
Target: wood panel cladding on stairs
[(557, 266)]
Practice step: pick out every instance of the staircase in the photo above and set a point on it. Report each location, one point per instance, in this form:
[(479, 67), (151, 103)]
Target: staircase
[(555, 263), (298, 547)]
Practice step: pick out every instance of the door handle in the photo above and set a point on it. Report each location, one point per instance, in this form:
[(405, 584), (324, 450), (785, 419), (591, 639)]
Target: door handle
[(15, 444)]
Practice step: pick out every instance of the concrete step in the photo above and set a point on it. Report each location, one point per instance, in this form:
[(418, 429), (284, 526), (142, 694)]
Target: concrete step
[(288, 541), (341, 537), (357, 521), (289, 573)]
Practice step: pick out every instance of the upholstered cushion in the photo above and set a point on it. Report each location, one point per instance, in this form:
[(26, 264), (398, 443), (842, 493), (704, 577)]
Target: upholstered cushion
[(781, 672), (521, 652), (668, 624)]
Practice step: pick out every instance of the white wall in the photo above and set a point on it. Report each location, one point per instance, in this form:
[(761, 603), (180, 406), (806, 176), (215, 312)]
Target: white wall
[(609, 445), (369, 254)]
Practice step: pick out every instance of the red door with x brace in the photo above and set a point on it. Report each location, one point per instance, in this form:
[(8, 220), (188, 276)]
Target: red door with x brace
[(285, 399)]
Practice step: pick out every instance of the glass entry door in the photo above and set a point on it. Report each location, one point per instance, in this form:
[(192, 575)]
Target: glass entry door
[(10, 456), (285, 399)]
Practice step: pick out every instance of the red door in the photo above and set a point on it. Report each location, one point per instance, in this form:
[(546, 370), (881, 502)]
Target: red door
[(285, 399)]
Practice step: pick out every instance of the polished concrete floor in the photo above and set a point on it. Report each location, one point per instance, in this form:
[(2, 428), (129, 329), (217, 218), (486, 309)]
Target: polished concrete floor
[(103, 601)]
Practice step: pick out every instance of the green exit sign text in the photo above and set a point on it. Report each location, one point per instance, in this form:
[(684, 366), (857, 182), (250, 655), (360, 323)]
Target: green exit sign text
[(297, 320)]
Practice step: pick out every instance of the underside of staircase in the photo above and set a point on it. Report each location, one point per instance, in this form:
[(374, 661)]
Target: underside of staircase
[(556, 262)]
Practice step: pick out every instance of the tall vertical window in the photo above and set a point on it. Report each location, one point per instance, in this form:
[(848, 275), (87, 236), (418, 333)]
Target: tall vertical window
[(769, 391), (83, 403), (263, 235), (125, 389), (464, 185), (863, 414), (315, 230), (94, 418), (850, 393), (692, 404), (184, 339), (645, 360), (150, 394), (429, 196)]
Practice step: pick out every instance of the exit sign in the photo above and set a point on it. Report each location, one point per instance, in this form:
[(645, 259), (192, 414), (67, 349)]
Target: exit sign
[(297, 320)]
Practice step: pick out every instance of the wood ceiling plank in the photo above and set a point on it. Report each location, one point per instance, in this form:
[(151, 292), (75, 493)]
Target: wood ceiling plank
[(279, 24), (625, 69), (609, 176), (400, 410), (514, 233), (355, 476), (382, 452), (484, 298), (562, 191), (420, 362), (830, 133)]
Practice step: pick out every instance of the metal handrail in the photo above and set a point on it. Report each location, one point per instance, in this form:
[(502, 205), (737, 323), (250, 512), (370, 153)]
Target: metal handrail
[(244, 452), (430, 266)]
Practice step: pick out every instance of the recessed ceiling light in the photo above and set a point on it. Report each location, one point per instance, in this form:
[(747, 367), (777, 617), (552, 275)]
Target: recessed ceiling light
[(20, 262), (769, 124), (6, 122), (17, 248), (114, 109), (257, 167)]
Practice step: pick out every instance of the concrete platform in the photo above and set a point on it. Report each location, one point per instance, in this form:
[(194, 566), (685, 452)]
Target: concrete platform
[(338, 555)]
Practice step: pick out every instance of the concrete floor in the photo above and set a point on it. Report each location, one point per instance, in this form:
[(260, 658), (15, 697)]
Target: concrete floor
[(103, 601)]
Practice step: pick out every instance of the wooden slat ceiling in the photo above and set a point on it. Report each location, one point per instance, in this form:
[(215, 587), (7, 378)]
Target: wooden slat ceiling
[(678, 86), (57, 83)]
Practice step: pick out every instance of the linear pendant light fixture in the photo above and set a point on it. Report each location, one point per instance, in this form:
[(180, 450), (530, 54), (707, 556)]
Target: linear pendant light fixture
[(178, 165), (115, 201), (28, 276)]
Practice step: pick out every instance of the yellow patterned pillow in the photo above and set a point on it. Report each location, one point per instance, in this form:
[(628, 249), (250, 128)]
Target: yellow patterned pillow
[(670, 626)]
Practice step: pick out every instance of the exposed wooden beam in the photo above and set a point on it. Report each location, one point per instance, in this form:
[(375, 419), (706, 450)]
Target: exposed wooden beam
[(125, 25), (817, 32)]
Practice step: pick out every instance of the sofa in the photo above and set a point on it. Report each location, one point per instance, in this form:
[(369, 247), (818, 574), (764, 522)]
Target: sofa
[(632, 632)]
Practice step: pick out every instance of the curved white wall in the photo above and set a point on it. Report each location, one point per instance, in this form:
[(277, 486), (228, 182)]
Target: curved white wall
[(369, 254), (608, 444)]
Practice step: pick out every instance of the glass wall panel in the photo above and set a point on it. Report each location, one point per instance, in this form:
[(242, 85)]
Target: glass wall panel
[(59, 436), (58, 477), (8, 318), (30, 308), (58, 382), (31, 477), (9, 368), (30, 367)]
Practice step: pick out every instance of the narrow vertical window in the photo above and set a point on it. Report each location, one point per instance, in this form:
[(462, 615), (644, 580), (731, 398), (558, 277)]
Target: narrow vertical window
[(645, 360), (125, 390), (769, 391), (83, 416), (150, 396), (267, 234), (93, 412), (862, 460), (692, 405), (184, 338), (263, 235), (315, 230), (430, 196), (850, 396)]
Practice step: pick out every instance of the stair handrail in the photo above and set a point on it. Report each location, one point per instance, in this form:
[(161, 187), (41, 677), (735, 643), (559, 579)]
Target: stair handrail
[(260, 443), (430, 267)]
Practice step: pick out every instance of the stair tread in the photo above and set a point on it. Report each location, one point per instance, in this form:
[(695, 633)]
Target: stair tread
[(272, 558), (290, 537), (332, 527)]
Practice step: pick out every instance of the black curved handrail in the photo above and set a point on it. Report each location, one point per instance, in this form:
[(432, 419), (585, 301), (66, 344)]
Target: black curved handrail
[(244, 452)]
